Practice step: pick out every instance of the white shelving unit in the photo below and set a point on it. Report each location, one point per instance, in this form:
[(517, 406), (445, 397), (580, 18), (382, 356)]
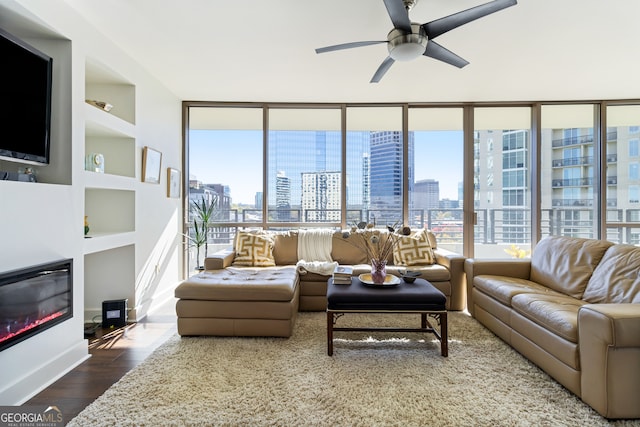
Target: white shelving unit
[(110, 197)]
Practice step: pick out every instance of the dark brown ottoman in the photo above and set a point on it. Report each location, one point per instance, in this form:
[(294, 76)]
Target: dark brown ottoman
[(419, 297)]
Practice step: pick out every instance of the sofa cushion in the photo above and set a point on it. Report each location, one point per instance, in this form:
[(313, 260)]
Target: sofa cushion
[(503, 288), (241, 284), (253, 250), (557, 313), (285, 247), (413, 250), (617, 278), (565, 264), (345, 252)]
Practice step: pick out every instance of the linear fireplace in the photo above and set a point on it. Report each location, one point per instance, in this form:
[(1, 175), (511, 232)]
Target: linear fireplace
[(34, 299)]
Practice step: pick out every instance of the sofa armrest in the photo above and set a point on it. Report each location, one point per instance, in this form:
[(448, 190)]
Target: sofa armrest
[(519, 268), (609, 339), (455, 264), (219, 260)]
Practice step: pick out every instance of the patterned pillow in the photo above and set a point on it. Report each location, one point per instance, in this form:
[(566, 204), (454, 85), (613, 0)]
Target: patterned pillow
[(414, 250), (253, 250)]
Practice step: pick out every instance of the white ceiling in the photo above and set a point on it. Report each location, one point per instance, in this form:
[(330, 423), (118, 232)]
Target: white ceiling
[(263, 50)]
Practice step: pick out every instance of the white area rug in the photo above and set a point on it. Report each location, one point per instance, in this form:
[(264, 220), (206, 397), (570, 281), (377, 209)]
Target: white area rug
[(390, 379)]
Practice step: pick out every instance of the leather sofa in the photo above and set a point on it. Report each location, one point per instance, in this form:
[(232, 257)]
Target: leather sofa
[(446, 274), (263, 300), (573, 309)]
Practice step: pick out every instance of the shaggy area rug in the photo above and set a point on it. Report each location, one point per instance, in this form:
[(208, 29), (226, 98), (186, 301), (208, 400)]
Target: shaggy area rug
[(372, 379)]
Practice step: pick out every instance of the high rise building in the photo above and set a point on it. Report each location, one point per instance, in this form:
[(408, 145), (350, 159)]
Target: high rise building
[(321, 196), (426, 194), (283, 197), (386, 176)]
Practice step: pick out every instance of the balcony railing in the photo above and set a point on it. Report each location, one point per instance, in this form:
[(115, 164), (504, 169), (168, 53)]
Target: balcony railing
[(572, 182), (582, 139), (572, 161), (494, 226)]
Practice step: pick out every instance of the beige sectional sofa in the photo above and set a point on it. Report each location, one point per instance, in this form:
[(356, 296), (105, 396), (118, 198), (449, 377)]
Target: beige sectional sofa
[(255, 300), (574, 310)]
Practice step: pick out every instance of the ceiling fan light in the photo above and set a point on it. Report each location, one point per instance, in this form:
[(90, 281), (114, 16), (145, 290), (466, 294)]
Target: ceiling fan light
[(405, 47), (406, 51)]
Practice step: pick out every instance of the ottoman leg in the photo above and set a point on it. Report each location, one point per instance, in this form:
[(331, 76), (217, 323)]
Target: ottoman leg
[(444, 335), (330, 333)]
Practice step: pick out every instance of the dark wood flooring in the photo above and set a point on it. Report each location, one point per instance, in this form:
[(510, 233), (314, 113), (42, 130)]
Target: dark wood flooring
[(114, 352)]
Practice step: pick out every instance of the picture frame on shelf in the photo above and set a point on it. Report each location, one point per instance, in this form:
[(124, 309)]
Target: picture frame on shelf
[(173, 183), (151, 164)]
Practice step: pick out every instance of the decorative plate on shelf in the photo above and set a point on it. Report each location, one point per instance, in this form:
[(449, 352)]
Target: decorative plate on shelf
[(389, 281)]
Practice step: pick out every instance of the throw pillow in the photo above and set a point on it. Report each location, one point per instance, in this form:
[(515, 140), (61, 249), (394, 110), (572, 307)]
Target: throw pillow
[(253, 250), (414, 250)]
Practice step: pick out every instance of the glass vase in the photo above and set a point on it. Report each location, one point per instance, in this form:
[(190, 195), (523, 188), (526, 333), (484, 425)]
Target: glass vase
[(378, 271)]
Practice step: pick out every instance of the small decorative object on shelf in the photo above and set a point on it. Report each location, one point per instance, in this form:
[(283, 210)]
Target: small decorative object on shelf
[(86, 225), (27, 174), (105, 106), (94, 162)]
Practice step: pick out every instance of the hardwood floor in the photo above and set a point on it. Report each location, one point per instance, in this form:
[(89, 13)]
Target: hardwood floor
[(113, 353)]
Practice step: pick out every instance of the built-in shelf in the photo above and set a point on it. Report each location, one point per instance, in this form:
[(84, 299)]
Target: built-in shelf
[(109, 274), (110, 211), (110, 196), (105, 85), (101, 123), (108, 181), (98, 242)]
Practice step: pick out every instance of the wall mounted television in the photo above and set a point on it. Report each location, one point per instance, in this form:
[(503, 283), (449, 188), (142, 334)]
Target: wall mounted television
[(25, 101)]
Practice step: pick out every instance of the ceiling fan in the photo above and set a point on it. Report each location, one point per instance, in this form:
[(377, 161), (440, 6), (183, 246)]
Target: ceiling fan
[(409, 40)]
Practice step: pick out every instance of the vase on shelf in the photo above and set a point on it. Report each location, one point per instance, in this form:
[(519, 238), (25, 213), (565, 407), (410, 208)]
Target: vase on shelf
[(378, 271)]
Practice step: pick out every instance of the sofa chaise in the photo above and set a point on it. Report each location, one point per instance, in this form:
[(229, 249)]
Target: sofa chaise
[(257, 292), (573, 309)]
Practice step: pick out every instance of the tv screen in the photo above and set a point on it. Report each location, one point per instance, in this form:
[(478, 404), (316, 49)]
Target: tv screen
[(25, 101)]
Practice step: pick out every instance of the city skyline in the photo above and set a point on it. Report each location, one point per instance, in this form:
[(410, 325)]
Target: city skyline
[(246, 146)]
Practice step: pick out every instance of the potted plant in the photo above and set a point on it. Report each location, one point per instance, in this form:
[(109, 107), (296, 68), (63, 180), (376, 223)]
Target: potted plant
[(196, 239), (204, 209)]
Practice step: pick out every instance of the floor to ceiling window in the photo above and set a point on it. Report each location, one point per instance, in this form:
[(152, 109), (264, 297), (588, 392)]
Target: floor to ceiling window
[(375, 168), (623, 174), (304, 166), (435, 195), (568, 203), (286, 166), (225, 157), (502, 188)]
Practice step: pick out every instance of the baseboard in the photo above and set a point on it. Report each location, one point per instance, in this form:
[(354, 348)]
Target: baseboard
[(33, 383)]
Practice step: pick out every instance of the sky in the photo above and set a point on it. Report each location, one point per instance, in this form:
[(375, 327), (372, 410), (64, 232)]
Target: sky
[(438, 155)]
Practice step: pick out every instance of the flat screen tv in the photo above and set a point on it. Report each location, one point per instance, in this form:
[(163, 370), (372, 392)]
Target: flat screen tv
[(25, 101)]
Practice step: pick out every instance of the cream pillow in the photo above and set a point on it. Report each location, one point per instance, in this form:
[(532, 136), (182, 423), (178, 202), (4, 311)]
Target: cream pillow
[(414, 250), (253, 250)]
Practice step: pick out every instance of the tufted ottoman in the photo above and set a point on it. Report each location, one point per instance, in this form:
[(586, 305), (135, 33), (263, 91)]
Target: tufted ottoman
[(248, 302)]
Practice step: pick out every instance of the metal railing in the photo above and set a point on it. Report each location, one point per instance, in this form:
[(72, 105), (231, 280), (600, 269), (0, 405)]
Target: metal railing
[(494, 226)]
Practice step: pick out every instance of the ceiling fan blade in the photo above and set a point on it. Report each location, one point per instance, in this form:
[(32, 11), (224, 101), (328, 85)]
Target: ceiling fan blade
[(382, 69), (440, 26), (348, 45), (398, 14), (436, 51)]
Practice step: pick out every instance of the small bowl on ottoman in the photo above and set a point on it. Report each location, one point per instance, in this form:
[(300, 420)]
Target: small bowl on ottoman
[(410, 276)]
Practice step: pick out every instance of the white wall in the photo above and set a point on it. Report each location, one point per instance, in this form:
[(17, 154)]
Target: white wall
[(42, 222)]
